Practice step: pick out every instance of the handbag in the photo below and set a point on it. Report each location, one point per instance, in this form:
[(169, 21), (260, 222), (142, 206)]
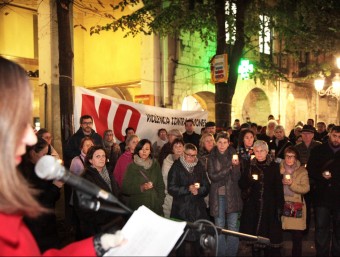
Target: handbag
[(292, 209)]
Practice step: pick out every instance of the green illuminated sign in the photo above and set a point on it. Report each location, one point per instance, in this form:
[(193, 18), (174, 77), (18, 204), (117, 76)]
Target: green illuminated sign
[(245, 68)]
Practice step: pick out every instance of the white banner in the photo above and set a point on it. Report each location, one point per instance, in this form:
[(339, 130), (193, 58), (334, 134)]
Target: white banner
[(116, 114)]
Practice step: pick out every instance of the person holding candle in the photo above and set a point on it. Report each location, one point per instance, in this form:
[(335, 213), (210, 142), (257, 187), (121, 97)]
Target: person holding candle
[(225, 194), (295, 184), (326, 158), (143, 181), (261, 215), (245, 153), (188, 185)]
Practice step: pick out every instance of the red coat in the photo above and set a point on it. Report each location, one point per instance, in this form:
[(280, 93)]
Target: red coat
[(17, 240)]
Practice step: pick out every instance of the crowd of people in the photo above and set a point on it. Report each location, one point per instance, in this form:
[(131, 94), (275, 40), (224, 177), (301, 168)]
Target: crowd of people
[(247, 178)]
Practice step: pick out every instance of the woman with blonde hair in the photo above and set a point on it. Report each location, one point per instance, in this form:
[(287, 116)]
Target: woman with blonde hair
[(125, 159), (17, 198)]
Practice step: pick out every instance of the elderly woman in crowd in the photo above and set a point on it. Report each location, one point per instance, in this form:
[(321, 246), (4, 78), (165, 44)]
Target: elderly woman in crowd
[(125, 159), (112, 148), (177, 149), (93, 222), (225, 195), (188, 185), (143, 182), (166, 149), (46, 135), (262, 210), (279, 143), (295, 184), (269, 131), (77, 166)]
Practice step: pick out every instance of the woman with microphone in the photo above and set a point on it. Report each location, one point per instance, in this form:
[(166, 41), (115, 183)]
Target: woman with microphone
[(17, 198)]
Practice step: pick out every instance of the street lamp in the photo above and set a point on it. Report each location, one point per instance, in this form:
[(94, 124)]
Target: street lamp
[(334, 89)]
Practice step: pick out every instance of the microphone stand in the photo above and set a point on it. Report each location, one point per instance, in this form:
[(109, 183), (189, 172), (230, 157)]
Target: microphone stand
[(209, 230)]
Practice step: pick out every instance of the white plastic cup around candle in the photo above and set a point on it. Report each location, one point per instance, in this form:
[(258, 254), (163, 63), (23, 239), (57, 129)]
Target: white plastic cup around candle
[(287, 176), (197, 185), (252, 156), (327, 173), (235, 157), (255, 176)]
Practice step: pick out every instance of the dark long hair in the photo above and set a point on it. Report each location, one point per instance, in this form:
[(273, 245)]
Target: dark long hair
[(140, 145)]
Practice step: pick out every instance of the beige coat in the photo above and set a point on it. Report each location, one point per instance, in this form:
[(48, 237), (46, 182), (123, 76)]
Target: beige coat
[(300, 186)]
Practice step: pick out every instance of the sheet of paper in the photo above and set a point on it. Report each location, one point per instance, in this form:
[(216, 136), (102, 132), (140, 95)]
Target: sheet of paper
[(148, 234)]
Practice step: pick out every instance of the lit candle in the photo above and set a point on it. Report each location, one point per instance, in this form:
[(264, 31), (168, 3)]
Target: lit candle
[(287, 176), (255, 176), (327, 173), (197, 185), (235, 157)]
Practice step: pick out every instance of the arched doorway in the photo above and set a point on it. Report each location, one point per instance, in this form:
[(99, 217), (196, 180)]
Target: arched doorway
[(256, 106), (200, 101)]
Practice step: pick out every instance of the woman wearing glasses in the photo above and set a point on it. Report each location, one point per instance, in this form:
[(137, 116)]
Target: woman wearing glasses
[(295, 184), (261, 215), (225, 195), (188, 185)]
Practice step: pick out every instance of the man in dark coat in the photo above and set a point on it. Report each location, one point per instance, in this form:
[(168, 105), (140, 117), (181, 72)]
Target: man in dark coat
[(72, 148), (324, 169), (190, 136)]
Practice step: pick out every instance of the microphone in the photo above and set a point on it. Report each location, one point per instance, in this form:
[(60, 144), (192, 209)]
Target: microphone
[(49, 168)]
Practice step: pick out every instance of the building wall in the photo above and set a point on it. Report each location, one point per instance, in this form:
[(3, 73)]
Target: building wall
[(17, 32), (106, 59)]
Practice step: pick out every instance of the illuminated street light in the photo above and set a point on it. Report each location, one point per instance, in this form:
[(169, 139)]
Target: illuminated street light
[(334, 89)]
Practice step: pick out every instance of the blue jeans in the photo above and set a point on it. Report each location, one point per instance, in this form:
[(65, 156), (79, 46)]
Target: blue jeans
[(323, 218), (227, 245)]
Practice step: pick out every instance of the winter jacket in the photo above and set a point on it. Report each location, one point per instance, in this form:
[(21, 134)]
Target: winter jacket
[(17, 240), (122, 163), (300, 186), (93, 222), (326, 192), (152, 198), (261, 214), (185, 205), (222, 173), (72, 148)]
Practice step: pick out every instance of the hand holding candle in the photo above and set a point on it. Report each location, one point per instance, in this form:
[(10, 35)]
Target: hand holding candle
[(235, 159), (326, 174)]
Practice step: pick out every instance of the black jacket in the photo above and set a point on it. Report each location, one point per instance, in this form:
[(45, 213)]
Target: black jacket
[(222, 173), (72, 148), (93, 222), (326, 192), (186, 206), (262, 209)]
